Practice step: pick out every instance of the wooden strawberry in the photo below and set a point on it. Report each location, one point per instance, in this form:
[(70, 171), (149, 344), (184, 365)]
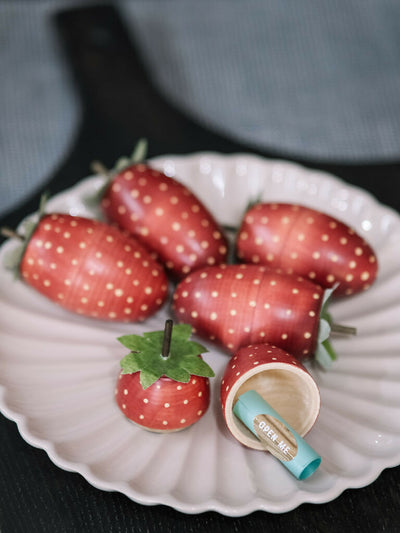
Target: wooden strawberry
[(91, 268), (301, 240), (163, 385), (164, 215), (279, 378), (238, 305)]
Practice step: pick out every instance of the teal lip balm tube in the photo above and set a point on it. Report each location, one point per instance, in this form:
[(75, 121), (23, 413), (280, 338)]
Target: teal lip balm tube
[(279, 438)]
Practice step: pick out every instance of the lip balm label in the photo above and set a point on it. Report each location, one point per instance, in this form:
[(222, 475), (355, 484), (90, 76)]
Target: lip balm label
[(278, 439)]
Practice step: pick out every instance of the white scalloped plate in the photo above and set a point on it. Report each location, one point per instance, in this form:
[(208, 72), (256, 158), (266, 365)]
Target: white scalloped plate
[(58, 371)]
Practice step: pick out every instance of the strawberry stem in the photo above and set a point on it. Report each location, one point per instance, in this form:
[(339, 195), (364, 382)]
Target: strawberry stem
[(337, 328), (167, 338), (99, 168), (10, 233), (138, 155), (343, 330)]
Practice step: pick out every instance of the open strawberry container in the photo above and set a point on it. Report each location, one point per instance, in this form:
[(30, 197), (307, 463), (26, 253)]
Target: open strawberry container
[(280, 379)]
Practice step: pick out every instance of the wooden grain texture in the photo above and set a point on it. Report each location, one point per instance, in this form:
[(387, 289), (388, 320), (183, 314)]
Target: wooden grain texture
[(36, 495)]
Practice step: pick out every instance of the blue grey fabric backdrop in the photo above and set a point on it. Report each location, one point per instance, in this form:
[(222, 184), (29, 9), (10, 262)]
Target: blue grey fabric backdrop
[(308, 78)]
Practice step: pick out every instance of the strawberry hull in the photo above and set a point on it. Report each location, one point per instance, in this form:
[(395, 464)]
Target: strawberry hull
[(92, 269), (238, 305), (165, 406), (166, 217), (312, 244)]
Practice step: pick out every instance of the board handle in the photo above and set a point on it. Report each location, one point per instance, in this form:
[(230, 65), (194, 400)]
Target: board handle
[(115, 88)]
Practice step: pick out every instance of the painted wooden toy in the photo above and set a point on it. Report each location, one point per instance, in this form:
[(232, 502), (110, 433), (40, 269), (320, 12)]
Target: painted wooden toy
[(301, 240), (163, 385), (88, 267), (237, 305), (276, 376), (163, 214)]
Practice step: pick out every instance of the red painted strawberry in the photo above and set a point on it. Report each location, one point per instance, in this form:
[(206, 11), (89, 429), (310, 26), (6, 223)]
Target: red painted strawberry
[(92, 269), (238, 305), (276, 376), (164, 215), (163, 385), (301, 240)]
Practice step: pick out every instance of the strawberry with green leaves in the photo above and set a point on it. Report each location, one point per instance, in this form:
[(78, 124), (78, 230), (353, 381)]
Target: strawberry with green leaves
[(238, 305), (163, 214), (304, 241), (164, 382), (90, 268)]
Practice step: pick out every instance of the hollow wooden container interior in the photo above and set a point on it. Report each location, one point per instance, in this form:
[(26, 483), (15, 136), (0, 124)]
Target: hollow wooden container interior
[(285, 384)]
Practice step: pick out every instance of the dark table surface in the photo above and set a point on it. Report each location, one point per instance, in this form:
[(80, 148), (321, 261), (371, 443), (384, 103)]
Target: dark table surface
[(36, 495)]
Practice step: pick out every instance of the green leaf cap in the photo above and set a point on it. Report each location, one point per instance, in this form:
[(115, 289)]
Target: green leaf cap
[(137, 156), (13, 258), (181, 362), (324, 353)]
